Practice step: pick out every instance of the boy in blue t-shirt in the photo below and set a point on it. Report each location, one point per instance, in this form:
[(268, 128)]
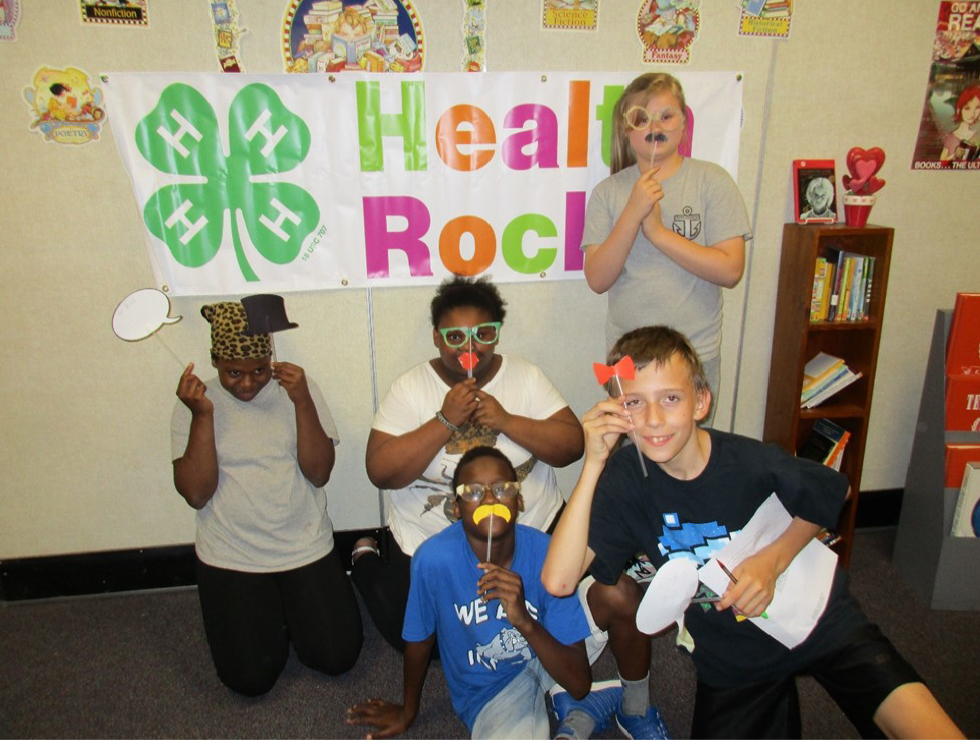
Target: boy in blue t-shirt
[(503, 642)]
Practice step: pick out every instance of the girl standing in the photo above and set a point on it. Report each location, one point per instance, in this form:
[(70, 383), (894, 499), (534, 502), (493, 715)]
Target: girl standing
[(663, 233)]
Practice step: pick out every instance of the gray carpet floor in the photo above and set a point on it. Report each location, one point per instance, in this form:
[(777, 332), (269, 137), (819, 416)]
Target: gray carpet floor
[(137, 665)]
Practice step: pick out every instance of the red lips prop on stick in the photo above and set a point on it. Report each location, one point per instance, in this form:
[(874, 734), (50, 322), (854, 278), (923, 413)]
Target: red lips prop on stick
[(622, 369), (468, 360)]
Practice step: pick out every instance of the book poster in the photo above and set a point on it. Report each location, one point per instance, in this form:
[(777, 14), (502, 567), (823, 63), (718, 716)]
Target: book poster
[(768, 18), (573, 15), (668, 29), (9, 15), (352, 35), (123, 13), (474, 38), (949, 128)]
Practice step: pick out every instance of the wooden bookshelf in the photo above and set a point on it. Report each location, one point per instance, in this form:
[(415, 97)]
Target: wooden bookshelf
[(796, 339)]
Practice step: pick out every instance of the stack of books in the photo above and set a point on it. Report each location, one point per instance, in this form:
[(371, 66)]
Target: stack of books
[(826, 443), (842, 286), (823, 376)]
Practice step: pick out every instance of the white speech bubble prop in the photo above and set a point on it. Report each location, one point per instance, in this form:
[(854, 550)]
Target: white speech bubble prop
[(668, 596), (141, 313)]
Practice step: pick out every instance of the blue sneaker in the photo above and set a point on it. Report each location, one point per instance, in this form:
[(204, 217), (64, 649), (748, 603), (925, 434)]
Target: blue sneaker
[(648, 727), (600, 704)]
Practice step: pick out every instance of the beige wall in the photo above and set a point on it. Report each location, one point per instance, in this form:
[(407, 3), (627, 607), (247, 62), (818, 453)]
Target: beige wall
[(85, 449)]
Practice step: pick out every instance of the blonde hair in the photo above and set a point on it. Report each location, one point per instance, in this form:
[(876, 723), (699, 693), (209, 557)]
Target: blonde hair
[(638, 92)]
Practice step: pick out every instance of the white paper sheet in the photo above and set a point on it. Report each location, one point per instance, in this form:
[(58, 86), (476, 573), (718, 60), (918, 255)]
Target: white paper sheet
[(668, 596), (801, 591)]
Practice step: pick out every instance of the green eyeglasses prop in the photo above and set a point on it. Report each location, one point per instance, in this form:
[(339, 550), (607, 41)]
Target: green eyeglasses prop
[(668, 119), (457, 336), (474, 492)]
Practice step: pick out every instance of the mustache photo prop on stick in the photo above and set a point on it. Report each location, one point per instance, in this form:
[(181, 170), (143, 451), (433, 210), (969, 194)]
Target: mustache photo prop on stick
[(622, 369), (482, 512)]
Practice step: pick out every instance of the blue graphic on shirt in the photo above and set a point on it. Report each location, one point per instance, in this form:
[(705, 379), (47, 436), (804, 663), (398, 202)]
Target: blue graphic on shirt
[(697, 542)]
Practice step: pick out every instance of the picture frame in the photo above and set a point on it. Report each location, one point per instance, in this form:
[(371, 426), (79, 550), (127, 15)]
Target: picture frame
[(815, 191)]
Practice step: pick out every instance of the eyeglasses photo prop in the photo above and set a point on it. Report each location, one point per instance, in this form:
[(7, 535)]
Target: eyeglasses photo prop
[(640, 119), (456, 336), (622, 369), (502, 491), (474, 492)]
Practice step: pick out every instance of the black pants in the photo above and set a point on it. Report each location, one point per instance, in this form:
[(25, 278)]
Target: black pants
[(384, 588), (251, 618)]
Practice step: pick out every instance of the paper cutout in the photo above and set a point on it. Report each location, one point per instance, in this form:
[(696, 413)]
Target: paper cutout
[(468, 360), (266, 314), (803, 589), (668, 596), (65, 106), (141, 313), (622, 369), (482, 512)]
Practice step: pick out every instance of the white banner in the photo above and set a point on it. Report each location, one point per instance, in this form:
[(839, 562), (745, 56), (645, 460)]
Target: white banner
[(268, 183)]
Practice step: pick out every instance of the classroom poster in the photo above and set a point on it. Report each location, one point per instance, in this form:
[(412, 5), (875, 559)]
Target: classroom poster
[(949, 128), (266, 183)]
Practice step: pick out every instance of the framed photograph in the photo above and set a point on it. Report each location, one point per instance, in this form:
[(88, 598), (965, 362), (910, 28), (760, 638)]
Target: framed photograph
[(814, 191)]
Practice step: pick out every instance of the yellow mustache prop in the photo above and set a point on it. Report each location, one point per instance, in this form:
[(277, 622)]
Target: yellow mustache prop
[(482, 512)]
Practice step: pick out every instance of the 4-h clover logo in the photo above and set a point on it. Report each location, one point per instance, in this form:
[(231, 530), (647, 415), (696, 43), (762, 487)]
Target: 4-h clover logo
[(181, 136)]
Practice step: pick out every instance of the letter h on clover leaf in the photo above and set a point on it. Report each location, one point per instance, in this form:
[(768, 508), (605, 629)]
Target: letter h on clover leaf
[(181, 136)]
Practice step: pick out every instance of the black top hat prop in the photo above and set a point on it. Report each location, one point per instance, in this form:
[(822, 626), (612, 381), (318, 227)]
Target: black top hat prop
[(266, 314)]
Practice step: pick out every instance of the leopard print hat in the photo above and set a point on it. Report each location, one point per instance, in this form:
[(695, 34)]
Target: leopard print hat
[(228, 338)]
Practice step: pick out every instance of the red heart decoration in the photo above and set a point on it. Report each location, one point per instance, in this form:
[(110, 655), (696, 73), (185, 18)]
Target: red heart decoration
[(863, 165)]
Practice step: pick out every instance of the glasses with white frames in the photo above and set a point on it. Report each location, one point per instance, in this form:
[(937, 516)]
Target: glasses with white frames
[(474, 492)]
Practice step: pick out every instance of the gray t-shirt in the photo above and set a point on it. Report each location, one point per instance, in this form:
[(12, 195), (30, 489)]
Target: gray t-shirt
[(702, 203), (265, 516)]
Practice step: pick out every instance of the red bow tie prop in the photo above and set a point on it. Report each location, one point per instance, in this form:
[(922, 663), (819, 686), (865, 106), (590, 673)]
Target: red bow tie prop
[(623, 369)]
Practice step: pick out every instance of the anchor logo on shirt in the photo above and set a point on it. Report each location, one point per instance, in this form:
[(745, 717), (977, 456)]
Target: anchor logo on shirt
[(687, 223)]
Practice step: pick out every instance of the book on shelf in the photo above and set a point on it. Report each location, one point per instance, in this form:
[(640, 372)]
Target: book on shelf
[(963, 345), (819, 369), (823, 376), (966, 516), (850, 278), (820, 297), (847, 377), (826, 443), (828, 537), (963, 403), (958, 455)]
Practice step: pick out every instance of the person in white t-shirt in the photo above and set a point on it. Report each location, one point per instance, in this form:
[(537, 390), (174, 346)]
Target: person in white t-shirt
[(467, 396)]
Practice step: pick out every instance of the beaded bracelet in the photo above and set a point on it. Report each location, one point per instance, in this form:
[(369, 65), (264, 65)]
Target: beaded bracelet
[(443, 420)]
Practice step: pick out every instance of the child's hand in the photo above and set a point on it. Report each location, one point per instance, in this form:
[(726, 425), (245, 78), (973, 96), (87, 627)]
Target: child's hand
[(460, 402), (756, 585), (603, 424), (653, 225), (390, 719), (292, 378), (647, 192), (507, 586), (490, 413), (193, 392)]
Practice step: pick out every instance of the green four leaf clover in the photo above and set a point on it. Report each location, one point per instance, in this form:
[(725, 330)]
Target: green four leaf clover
[(180, 136)]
